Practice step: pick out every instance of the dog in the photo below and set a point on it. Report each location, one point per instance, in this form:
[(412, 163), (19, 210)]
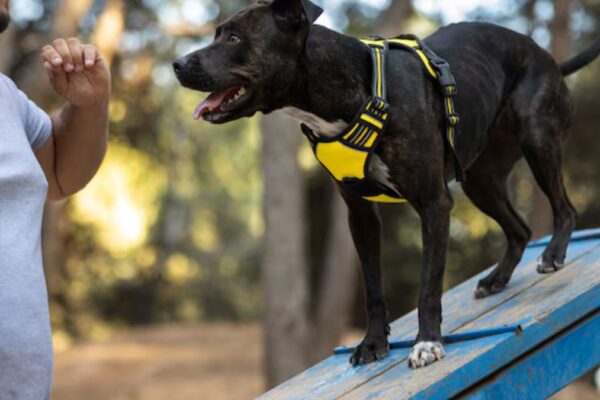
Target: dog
[(513, 103)]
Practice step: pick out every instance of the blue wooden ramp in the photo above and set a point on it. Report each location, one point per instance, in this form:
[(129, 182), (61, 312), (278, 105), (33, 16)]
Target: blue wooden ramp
[(560, 340)]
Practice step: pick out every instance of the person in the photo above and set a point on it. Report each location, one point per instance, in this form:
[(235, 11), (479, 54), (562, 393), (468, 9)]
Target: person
[(41, 159)]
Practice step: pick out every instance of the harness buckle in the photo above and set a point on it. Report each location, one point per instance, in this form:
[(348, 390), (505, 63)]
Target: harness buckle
[(453, 119), (445, 77), (379, 106), (450, 90)]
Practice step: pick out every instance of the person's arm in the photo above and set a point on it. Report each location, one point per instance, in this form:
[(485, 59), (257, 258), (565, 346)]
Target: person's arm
[(72, 155)]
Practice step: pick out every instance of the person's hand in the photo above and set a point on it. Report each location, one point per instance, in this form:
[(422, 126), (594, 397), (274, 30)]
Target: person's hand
[(77, 72)]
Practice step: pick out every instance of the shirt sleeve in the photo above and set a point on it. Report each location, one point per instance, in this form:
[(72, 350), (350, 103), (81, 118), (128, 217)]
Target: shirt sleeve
[(37, 124)]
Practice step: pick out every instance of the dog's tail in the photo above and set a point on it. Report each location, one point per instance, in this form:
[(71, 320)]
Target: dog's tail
[(581, 60)]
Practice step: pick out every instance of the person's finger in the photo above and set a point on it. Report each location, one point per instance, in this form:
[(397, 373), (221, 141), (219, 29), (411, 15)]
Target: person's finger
[(50, 55), (57, 76), (48, 68), (76, 50), (90, 55), (60, 45)]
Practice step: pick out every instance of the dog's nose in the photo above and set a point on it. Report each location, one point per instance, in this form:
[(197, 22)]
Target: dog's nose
[(179, 65)]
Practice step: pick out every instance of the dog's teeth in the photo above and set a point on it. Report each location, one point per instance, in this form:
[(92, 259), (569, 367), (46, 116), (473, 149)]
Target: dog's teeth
[(242, 91)]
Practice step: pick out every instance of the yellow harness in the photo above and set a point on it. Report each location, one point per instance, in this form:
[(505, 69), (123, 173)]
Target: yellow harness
[(347, 155)]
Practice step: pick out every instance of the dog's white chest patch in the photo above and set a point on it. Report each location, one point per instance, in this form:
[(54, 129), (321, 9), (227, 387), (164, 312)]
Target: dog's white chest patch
[(316, 123), (380, 172)]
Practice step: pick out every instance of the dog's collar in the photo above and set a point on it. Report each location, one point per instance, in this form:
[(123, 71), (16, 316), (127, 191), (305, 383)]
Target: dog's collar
[(347, 155)]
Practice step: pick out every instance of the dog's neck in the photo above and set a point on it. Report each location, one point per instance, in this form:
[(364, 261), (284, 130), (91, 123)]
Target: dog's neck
[(332, 82)]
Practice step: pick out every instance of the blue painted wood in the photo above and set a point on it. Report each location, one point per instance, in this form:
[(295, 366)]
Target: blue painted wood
[(578, 236), (334, 377), (548, 369), (544, 311), (447, 339)]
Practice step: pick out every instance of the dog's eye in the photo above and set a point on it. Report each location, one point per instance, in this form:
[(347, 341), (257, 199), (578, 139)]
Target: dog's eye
[(233, 39)]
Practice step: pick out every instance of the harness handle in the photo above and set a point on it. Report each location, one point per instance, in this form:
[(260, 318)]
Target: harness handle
[(379, 53)]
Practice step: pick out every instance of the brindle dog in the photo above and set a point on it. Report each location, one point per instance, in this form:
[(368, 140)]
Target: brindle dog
[(513, 103)]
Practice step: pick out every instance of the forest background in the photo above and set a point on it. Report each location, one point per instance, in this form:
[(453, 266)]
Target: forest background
[(189, 223)]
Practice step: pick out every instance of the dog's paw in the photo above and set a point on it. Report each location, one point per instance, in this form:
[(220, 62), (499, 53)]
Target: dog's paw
[(548, 266), (370, 350), (425, 353), (484, 290)]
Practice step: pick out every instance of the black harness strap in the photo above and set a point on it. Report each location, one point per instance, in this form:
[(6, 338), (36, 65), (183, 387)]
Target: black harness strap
[(450, 91)]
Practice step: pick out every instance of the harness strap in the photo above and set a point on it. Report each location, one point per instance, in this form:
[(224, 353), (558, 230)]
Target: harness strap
[(450, 90), (436, 67), (379, 79), (364, 132)]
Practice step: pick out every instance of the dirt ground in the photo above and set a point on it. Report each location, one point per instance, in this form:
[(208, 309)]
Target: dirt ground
[(216, 361), (211, 361)]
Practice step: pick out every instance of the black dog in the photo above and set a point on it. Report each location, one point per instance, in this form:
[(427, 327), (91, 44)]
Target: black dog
[(513, 102)]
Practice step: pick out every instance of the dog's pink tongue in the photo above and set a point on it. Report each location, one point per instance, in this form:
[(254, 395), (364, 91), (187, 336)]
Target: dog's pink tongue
[(213, 102)]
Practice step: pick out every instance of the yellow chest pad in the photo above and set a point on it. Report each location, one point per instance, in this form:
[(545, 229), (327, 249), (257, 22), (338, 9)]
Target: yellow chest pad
[(341, 161)]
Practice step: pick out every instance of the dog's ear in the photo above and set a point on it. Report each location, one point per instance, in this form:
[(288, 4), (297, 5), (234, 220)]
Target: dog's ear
[(312, 11), (296, 12)]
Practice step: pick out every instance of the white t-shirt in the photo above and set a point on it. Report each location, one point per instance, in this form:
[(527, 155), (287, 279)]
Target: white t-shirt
[(25, 340)]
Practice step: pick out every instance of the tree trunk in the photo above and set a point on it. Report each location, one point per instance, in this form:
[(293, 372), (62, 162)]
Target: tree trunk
[(560, 29), (65, 23), (338, 285), (7, 45), (109, 29), (35, 81), (540, 216), (393, 21), (284, 265), (56, 220)]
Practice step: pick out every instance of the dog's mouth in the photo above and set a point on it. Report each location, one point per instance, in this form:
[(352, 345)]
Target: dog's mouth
[(223, 105)]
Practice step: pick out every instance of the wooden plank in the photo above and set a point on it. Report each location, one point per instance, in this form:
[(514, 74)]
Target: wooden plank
[(546, 308), (588, 234), (334, 377), (548, 369)]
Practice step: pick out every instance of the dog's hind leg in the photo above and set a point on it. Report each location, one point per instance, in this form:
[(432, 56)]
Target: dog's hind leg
[(486, 188), (365, 226), (543, 107)]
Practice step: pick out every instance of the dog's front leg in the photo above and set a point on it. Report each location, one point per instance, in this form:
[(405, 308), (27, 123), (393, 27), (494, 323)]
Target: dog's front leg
[(435, 221), (365, 226)]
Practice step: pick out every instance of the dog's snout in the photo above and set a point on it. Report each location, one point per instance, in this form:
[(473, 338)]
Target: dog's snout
[(179, 65), (184, 63)]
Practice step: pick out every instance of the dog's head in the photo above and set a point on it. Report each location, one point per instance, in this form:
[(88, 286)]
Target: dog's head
[(252, 62)]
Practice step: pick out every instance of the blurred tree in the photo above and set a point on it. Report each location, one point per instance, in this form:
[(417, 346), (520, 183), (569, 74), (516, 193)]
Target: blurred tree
[(284, 265), (65, 23), (394, 20), (108, 34), (7, 49)]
